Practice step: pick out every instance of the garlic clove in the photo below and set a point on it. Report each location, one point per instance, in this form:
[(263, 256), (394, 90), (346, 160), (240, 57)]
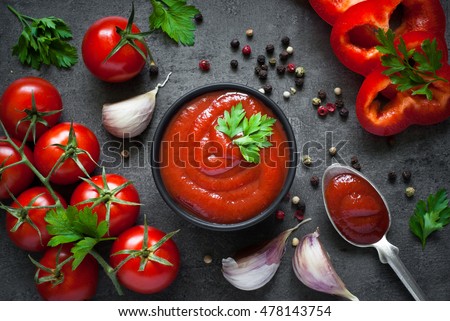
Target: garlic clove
[(257, 269), (313, 267)]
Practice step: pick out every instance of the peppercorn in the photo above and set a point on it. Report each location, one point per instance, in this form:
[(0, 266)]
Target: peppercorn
[(301, 206), (272, 61), (207, 259), (247, 50), (262, 74), (343, 112), (124, 153), (280, 215), (235, 43), (316, 101), (264, 67), (290, 50), (410, 191), (290, 68), (261, 59), (337, 91), (234, 63), (270, 48), (295, 200), (299, 215), (299, 82), (295, 242), (267, 89), (357, 166), (257, 70), (293, 91), (284, 55), (198, 18), (339, 103), (281, 69), (322, 94), (322, 111), (307, 160), (285, 41), (299, 72), (249, 33), (354, 160), (330, 107), (406, 176), (204, 65), (332, 151), (262, 91), (286, 94), (392, 176), (314, 180), (153, 70)]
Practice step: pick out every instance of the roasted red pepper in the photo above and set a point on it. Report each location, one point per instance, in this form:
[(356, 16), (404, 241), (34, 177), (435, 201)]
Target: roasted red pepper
[(366, 17), (330, 10), (403, 109)]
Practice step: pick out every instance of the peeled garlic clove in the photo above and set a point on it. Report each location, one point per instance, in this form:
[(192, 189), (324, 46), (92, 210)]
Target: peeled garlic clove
[(313, 267), (130, 117), (257, 269)]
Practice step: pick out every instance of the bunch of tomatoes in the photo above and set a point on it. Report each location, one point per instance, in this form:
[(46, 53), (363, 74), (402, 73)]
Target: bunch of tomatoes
[(39, 155)]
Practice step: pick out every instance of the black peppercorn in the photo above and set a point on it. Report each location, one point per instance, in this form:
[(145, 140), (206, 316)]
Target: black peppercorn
[(261, 59), (354, 160), (285, 41), (357, 166), (392, 176), (198, 18), (270, 49), (322, 94), (153, 70), (406, 176), (314, 181), (299, 82), (284, 55), (267, 89), (257, 70), (262, 74), (339, 103), (301, 205), (343, 112), (264, 67), (234, 63), (235, 43), (281, 69)]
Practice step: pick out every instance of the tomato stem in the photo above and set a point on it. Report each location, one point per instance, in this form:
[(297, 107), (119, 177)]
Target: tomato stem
[(108, 270)]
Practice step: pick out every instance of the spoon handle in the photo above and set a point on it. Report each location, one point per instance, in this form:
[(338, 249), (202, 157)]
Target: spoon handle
[(388, 253)]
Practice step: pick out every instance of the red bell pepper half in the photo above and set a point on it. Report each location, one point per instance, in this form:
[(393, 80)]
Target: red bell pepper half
[(330, 10), (393, 113), (368, 16)]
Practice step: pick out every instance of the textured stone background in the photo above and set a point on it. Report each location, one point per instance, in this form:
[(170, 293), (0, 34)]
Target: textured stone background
[(423, 151)]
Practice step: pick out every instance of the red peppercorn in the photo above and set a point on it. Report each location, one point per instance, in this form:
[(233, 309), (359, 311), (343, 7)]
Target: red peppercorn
[(299, 215), (322, 111), (330, 107), (290, 68), (247, 50), (204, 65), (280, 215)]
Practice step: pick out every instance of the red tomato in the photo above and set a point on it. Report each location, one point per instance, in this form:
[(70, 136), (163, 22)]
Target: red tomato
[(18, 177), (100, 39), (122, 216), (46, 155), (26, 237), (17, 98), (79, 284), (155, 277)]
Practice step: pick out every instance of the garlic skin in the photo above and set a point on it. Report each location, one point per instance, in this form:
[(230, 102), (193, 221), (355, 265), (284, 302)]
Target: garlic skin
[(130, 117), (313, 267), (257, 269)]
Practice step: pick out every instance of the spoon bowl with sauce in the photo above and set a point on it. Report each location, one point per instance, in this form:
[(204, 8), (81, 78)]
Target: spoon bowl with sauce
[(360, 214)]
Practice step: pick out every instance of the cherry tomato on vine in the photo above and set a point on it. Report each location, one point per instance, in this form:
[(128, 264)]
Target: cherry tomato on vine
[(67, 284), (156, 276), (17, 110), (18, 177), (82, 144), (117, 191), (25, 236), (98, 42)]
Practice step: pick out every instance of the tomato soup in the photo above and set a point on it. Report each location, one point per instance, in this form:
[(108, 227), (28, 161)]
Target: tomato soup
[(357, 209), (205, 172)]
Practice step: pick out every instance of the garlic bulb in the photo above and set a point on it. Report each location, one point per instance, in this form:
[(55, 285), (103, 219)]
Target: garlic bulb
[(257, 269), (130, 117), (313, 267)]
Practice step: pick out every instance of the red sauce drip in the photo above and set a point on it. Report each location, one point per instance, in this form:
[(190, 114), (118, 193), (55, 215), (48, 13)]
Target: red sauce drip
[(357, 209)]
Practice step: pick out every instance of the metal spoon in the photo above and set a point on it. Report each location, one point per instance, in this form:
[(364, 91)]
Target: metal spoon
[(387, 252)]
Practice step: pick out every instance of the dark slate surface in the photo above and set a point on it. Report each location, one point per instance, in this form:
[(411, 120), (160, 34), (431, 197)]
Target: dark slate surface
[(424, 151)]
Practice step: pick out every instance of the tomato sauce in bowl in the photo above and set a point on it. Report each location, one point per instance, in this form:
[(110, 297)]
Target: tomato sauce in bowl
[(203, 176)]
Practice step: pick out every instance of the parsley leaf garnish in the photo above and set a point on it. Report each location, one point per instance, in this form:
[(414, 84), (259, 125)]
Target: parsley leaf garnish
[(252, 132), (430, 216), (175, 18), (44, 41), (409, 68), (73, 226)]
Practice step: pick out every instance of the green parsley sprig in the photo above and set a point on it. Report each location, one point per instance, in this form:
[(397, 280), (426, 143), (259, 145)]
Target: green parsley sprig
[(409, 68), (175, 18), (44, 41), (430, 216), (250, 134)]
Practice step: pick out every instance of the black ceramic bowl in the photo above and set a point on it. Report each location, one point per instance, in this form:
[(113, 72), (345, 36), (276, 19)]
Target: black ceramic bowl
[(156, 147)]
